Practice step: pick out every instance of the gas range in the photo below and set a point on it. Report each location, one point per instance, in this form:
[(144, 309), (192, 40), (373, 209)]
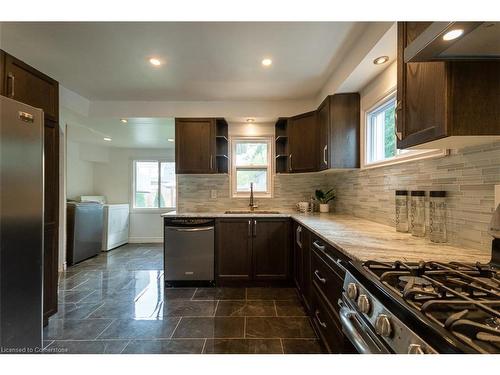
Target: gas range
[(430, 307)]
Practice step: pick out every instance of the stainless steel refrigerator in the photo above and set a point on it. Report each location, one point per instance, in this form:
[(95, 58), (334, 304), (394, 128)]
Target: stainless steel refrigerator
[(21, 227)]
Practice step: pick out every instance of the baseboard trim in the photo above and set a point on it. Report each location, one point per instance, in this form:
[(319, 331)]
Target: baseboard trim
[(145, 239)]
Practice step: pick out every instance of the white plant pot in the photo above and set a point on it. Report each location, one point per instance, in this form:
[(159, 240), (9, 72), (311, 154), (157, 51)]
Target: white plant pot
[(324, 207)]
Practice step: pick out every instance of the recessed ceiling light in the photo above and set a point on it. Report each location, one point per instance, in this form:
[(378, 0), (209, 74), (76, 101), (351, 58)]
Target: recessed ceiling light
[(453, 34), (170, 139), (154, 61), (250, 120), (381, 60), (107, 139), (124, 120), (267, 62)]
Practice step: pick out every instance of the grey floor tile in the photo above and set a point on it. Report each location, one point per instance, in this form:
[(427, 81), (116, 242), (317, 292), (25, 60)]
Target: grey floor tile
[(243, 346), (246, 308), (75, 329), (140, 329), (179, 346), (140, 309), (189, 308), (66, 296), (178, 293), (290, 308), (87, 347), (280, 294), (219, 294), (75, 310), (302, 346), (282, 327), (210, 328)]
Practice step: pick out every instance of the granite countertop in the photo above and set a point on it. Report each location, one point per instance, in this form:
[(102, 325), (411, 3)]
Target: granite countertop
[(362, 239)]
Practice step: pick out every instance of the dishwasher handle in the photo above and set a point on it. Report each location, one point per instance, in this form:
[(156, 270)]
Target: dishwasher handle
[(200, 229)]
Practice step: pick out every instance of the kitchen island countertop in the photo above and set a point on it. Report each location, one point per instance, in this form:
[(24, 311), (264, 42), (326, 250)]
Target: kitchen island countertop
[(363, 240)]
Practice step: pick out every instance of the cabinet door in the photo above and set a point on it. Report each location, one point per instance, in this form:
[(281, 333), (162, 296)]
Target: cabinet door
[(51, 217), (234, 249), (306, 267), (194, 145), (27, 85), (270, 249), (323, 116), (297, 256), (344, 130), (422, 93), (302, 136)]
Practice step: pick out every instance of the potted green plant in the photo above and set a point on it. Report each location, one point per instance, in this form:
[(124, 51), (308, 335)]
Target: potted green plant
[(324, 198)]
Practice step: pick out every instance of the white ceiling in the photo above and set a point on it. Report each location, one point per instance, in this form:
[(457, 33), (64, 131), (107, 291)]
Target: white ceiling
[(136, 133), (203, 60)]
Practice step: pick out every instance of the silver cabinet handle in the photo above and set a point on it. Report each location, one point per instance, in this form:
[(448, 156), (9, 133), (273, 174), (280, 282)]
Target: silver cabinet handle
[(318, 276), (298, 235), (202, 229), (290, 162), (318, 246), (321, 323), (324, 155), (249, 228), (255, 228), (12, 77)]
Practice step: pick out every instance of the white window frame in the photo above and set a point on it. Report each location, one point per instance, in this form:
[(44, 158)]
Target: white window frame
[(407, 156), (269, 167), (132, 193)]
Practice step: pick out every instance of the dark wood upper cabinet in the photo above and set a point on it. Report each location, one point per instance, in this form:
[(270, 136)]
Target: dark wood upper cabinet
[(27, 85), (302, 143), (252, 250), (323, 118), (234, 249), (344, 130), (440, 100), (195, 145), (270, 249)]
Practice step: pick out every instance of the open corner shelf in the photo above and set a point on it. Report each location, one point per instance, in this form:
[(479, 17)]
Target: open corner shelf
[(221, 145), (281, 145)]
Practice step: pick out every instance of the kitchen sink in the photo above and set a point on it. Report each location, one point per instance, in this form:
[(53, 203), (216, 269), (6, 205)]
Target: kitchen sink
[(262, 212)]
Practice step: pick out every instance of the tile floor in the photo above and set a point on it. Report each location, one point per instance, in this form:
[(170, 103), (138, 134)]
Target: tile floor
[(116, 303)]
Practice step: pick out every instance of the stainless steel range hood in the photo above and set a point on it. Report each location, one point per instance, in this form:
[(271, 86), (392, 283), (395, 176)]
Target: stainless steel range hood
[(478, 41)]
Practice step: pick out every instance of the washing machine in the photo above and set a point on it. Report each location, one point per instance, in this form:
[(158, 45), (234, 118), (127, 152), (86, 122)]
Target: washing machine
[(115, 222)]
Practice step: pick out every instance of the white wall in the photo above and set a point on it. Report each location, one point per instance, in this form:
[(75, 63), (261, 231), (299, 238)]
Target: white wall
[(113, 179), (80, 172)]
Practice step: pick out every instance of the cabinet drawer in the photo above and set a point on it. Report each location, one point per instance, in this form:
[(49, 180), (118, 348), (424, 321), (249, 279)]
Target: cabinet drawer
[(326, 279), (326, 323)]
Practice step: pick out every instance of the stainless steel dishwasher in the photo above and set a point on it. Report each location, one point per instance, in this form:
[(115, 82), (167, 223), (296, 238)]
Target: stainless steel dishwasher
[(188, 251)]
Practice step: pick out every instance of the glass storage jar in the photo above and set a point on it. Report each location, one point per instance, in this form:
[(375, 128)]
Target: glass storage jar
[(417, 213), (437, 216), (402, 211)]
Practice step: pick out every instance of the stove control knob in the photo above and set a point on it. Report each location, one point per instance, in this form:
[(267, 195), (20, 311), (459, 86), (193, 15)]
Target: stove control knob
[(415, 349), (364, 304), (352, 291), (383, 325)]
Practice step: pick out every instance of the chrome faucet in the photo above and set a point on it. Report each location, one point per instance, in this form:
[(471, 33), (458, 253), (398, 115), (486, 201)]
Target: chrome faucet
[(252, 205)]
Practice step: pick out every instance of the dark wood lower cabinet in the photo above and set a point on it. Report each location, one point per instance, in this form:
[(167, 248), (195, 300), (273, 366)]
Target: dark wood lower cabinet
[(252, 250), (302, 262), (233, 250), (270, 249)]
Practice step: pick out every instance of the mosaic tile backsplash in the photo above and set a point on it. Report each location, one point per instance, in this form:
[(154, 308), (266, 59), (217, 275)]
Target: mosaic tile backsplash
[(193, 192), (468, 175)]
